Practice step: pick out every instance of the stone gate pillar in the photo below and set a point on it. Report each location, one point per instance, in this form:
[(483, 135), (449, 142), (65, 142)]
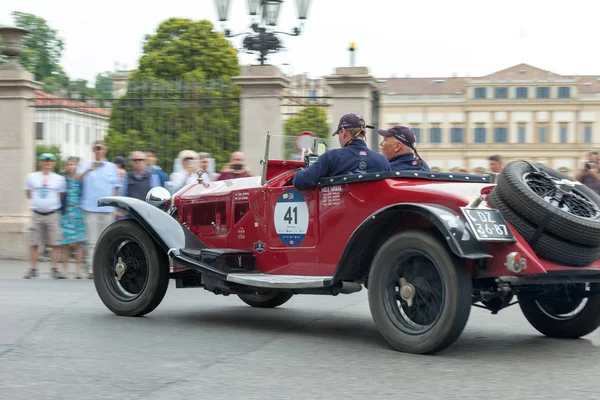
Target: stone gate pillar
[(352, 91), (261, 100), (17, 146)]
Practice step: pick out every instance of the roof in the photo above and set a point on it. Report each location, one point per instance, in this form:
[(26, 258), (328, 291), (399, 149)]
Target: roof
[(522, 72), (43, 99), (425, 85), (586, 84)]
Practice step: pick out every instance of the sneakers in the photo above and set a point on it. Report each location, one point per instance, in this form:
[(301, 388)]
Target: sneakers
[(57, 275), (32, 273)]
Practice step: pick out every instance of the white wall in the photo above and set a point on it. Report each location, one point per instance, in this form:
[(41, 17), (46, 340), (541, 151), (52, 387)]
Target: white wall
[(78, 143)]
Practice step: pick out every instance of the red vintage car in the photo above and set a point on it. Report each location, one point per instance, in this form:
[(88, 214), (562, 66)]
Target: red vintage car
[(427, 247)]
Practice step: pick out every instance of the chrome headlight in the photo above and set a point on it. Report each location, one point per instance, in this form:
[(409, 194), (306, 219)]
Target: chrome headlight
[(159, 197)]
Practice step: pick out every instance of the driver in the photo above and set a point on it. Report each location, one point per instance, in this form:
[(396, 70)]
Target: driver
[(354, 157)]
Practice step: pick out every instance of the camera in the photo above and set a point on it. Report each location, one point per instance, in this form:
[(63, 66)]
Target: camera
[(237, 167), (591, 164)]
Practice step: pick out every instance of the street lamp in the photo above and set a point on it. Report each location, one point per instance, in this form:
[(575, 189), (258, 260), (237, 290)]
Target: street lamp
[(261, 40)]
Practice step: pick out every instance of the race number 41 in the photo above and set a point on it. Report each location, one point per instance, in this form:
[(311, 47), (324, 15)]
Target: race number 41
[(291, 217)]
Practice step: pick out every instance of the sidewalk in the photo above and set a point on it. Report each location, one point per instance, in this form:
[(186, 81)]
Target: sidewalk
[(15, 269)]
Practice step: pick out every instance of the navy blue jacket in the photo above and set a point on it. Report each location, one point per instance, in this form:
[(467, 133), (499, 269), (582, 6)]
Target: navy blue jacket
[(407, 161), (356, 158)]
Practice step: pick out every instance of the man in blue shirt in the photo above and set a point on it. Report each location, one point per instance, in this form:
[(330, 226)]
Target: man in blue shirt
[(398, 145), (101, 180), (141, 179), (354, 157)]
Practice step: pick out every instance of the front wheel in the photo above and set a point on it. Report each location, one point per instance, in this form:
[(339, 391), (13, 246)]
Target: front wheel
[(565, 318), (266, 300), (419, 293), (131, 274)]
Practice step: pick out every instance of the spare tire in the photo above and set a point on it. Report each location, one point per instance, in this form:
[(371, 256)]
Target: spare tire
[(547, 246), (568, 209)]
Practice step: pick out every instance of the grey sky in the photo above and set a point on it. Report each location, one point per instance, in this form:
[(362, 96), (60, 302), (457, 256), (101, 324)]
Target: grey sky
[(420, 38)]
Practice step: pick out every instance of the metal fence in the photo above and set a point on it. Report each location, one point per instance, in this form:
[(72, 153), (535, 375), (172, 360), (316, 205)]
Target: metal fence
[(166, 116)]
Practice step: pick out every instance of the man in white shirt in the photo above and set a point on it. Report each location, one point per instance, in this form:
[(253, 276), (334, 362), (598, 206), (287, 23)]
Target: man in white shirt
[(45, 190)]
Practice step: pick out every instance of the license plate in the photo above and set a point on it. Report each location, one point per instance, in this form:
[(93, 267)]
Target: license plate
[(488, 225)]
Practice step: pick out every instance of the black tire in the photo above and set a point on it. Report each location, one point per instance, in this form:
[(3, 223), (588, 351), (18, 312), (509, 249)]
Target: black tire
[(550, 317), (581, 224), (443, 293), (266, 300), (548, 246), (146, 277)]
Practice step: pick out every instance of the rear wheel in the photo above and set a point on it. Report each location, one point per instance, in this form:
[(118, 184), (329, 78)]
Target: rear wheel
[(130, 274), (266, 300), (419, 293), (562, 317)]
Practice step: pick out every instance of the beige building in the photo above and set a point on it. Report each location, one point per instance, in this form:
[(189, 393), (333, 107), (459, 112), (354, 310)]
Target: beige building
[(304, 91), (521, 112)]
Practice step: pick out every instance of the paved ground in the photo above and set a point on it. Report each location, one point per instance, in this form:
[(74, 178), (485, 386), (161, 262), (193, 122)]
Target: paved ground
[(58, 341)]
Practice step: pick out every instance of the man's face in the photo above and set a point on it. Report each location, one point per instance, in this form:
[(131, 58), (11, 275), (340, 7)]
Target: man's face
[(138, 162), (343, 136), (390, 146), (47, 164), (99, 151), (594, 157), (495, 166), (204, 164), (237, 158), (151, 159)]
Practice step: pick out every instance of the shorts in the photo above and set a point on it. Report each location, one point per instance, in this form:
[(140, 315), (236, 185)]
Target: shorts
[(45, 229)]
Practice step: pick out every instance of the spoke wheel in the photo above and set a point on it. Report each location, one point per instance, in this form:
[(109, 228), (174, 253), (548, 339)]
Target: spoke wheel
[(419, 293), (131, 274), (562, 316), (545, 197)]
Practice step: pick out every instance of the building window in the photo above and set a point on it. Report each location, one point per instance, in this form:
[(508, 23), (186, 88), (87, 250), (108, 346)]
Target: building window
[(542, 134), (480, 93), (87, 135), (417, 132), (543, 92), (564, 92), (564, 138), (587, 134), (500, 135), (67, 131), (456, 135), (313, 95), (39, 131), (501, 93), (76, 138), (522, 93), (435, 135), (480, 135), (522, 134)]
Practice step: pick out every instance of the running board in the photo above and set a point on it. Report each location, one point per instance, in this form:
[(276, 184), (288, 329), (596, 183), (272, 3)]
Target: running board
[(280, 281)]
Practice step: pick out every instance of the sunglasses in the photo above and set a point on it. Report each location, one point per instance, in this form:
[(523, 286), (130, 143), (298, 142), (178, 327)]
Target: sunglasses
[(139, 159), (187, 159), (97, 148)]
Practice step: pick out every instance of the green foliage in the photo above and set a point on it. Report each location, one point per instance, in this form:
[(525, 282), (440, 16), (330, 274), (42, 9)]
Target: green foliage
[(183, 48), (104, 85), (180, 97), (42, 48), (312, 119), (54, 149), (172, 116)]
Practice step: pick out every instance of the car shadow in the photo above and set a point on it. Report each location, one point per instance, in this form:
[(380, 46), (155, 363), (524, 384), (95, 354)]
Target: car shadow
[(359, 330)]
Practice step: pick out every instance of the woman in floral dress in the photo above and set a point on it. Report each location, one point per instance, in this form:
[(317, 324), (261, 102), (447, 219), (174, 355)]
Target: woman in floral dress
[(72, 223)]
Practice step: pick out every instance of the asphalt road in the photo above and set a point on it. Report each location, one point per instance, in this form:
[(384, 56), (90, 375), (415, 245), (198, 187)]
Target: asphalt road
[(58, 341)]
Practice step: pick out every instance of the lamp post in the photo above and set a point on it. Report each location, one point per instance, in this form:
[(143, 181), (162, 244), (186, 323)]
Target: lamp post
[(264, 13)]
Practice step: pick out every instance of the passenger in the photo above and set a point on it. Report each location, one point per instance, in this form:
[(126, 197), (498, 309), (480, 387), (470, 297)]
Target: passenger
[(354, 157), (398, 145)]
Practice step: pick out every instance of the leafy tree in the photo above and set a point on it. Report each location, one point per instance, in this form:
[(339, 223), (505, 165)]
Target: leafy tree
[(42, 48), (54, 149), (104, 85), (312, 119), (181, 96), (190, 49)]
